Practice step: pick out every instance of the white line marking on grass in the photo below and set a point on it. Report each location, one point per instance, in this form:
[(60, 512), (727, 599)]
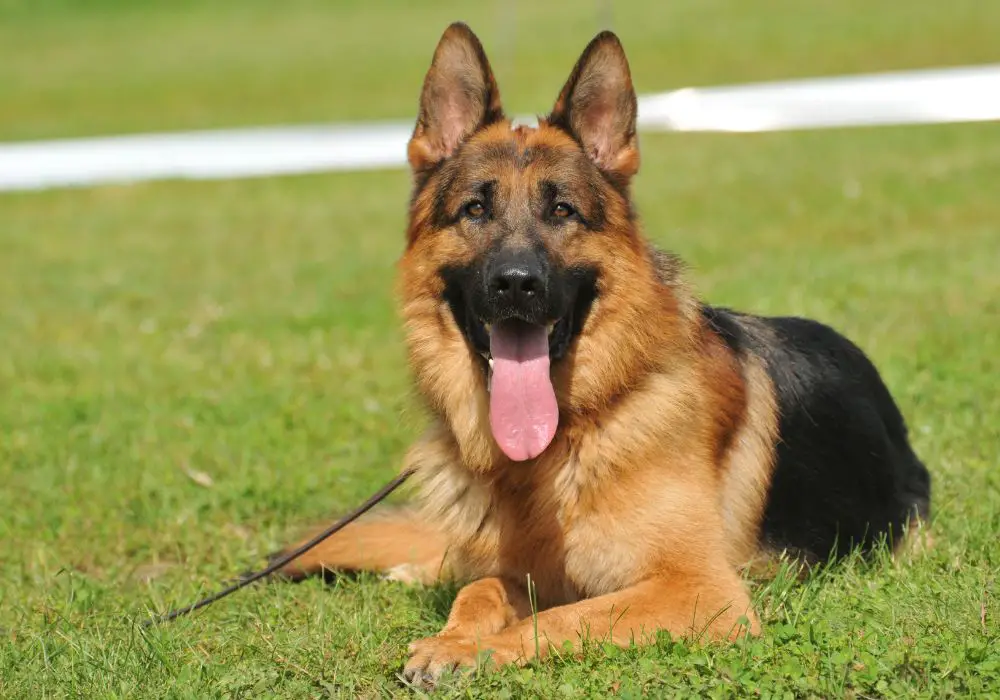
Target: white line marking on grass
[(915, 97), (938, 96), (202, 155)]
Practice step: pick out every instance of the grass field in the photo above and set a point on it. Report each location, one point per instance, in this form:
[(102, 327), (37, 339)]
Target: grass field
[(193, 373)]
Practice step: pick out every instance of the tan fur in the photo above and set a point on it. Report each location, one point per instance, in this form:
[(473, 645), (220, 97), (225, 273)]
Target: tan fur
[(399, 544), (747, 475)]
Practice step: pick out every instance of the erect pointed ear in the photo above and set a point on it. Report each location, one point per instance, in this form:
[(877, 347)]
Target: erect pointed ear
[(459, 97), (597, 106)]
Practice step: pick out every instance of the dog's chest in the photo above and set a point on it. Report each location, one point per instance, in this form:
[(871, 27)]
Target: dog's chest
[(549, 529), (600, 557)]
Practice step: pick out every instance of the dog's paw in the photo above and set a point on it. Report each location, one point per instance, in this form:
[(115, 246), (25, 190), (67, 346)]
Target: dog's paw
[(432, 657)]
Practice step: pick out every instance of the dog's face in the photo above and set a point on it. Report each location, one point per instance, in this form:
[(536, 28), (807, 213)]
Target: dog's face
[(519, 232), (514, 200)]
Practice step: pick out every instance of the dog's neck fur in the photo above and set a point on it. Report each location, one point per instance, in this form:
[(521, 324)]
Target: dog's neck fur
[(476, 493), (654, 338)]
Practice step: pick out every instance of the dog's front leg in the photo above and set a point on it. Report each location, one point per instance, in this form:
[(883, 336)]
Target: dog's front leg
[(686, 605), (481, 609)]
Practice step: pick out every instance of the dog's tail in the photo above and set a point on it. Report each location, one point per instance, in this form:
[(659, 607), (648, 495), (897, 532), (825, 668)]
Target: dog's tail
[(397, 543)]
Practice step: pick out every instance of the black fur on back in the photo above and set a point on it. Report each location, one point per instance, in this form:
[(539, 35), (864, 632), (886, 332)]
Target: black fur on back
[(845, 474)]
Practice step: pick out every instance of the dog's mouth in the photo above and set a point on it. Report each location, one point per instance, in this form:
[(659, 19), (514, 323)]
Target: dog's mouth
[(557, 334), (517, 355)]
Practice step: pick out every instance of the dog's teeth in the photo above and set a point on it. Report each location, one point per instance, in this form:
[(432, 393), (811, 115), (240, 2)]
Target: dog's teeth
[(488, 327), (490, 360), (550, 328)]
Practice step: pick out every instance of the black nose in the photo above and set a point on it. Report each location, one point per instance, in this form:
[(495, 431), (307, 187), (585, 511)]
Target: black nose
[(518, 284)]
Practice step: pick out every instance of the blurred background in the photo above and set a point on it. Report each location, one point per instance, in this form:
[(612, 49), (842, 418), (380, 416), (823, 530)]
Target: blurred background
[(191, 372), (111, 66)]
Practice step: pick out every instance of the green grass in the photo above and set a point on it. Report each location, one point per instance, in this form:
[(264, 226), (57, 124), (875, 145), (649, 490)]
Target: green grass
[(156, 334)]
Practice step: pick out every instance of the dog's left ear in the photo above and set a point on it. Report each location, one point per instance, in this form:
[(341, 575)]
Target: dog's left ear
[(597, 106)]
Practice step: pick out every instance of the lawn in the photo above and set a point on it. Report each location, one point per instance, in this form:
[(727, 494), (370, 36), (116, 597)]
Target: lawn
[(193, 373)]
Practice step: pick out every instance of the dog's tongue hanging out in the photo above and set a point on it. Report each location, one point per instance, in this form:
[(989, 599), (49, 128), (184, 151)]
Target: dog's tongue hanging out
[(523, 409)]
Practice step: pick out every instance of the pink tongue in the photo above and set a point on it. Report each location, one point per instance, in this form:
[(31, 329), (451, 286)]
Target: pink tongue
[(523, 409)]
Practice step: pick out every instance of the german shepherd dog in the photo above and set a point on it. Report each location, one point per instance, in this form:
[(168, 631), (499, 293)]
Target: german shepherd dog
[(606, 453)]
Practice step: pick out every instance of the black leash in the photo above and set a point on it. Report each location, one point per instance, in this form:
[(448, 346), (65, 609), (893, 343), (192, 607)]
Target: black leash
[(285, 559)]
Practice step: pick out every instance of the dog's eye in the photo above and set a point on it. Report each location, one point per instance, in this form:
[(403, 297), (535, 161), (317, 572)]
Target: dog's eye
[(562, 210), (474, 209)]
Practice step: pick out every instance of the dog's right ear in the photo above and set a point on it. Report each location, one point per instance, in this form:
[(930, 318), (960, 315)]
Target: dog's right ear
[(460, 96)]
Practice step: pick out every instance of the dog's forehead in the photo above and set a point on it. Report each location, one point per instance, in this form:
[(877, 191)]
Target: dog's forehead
[(503, 148)]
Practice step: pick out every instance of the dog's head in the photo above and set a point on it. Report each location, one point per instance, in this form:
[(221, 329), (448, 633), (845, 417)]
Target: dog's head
[(526, 285)]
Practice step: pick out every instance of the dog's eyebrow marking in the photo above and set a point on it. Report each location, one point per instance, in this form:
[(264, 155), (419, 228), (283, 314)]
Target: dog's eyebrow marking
[(459, 187), (484, 188), (552, 189)]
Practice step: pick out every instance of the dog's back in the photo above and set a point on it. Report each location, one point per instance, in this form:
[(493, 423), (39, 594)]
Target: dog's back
[(844, 474)]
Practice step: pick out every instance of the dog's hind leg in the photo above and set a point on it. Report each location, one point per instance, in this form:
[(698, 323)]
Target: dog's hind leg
[(397, 543)]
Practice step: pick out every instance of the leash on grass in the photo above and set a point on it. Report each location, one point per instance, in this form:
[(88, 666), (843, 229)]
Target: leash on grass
[(279, 563)]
